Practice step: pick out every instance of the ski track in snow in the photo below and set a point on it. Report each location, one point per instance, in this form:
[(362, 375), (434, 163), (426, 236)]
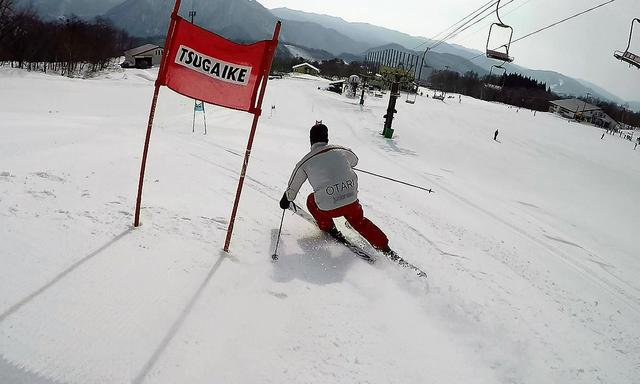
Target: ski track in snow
[(524, 286)]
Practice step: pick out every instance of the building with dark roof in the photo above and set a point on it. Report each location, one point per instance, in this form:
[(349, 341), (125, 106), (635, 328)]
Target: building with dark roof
[(572, 106), (306, 68), (581, 110), (145, 56)]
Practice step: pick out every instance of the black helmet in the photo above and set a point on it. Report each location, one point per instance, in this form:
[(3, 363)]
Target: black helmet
[(319, 134)]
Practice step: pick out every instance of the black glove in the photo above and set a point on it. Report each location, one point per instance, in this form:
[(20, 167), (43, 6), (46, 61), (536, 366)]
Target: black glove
[(284, 202)]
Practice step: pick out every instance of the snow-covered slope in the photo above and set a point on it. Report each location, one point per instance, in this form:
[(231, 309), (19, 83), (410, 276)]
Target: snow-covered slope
[(530, 243), (308, 54)]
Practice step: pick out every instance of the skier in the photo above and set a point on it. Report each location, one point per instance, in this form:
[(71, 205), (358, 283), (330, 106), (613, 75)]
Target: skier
[(495, 135), (329, 169), (602, 137)]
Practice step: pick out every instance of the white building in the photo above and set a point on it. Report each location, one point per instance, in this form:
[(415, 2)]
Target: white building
[(306, 68), (570, 108), (581, 110), (145, 56)]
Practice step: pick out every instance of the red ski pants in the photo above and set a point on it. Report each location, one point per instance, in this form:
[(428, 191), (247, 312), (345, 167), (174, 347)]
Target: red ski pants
[(355, 216)]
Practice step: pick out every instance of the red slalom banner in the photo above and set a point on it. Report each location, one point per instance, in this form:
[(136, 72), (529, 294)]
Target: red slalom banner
[(208, 67), (202, 65)]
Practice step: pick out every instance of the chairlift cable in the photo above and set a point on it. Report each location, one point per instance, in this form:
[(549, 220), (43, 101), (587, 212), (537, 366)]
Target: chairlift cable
[(481, 9), (450, 35), (480, 12), (463, 26), (554, 24), (489, 14), (518, 7), (498, 13), (489, 4), (562, 21), (483, 18)]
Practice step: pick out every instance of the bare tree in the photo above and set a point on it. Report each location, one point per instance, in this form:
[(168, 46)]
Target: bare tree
[(68, 46), (6, 7), (6, 10)]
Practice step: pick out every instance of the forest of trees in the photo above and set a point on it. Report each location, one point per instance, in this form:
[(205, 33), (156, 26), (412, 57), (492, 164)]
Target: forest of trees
[(70, 46), (516, 90), (519, 91)]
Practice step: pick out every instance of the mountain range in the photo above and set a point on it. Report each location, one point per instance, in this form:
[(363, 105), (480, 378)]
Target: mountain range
[(453, 56), (309, 35), (52, 9)]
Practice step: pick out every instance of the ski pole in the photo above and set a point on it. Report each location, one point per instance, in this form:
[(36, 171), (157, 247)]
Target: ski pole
[(274, 257), (397, 181)]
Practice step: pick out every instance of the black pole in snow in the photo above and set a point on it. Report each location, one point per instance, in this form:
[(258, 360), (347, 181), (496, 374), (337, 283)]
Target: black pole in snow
[(394, 180)]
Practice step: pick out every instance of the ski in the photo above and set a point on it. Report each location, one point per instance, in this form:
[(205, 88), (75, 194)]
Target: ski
[(358, 251), (338, 237), (405, 264), (394, 257)]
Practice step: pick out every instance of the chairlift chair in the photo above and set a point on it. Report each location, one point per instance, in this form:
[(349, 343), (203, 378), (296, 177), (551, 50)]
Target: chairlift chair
[(495, 53), (626, 56), (495, 86)]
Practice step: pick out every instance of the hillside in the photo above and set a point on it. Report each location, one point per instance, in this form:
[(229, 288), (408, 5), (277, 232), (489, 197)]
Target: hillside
[(242, 20), (316, 36), (248, 20), (53, 9), (365, 32), (454, 56)]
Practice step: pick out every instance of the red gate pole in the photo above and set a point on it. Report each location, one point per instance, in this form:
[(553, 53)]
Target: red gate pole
[(247, 154), (136, 222), (158, 84)]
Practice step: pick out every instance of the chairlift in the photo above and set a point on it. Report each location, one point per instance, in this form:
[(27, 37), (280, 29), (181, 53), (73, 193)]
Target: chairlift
[(626, 56), (495, 86), (496, 53)]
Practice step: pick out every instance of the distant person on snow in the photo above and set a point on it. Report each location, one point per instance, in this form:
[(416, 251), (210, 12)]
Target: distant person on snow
[(495, 135), (329, 169), (602, 137)]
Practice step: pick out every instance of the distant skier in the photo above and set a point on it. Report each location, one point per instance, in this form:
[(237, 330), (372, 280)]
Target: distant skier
[(495, 135), (602, 137), (637, 142), (329, 169)]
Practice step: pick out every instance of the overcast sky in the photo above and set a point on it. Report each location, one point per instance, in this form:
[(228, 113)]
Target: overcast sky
[(581, 48)]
